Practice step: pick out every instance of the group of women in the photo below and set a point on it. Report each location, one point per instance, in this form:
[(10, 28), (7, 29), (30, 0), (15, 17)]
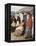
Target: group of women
[(21, 28)]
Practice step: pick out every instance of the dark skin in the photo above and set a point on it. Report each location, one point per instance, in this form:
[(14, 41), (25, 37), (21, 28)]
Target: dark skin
[(13, 19), (18, 19), (24, 27)]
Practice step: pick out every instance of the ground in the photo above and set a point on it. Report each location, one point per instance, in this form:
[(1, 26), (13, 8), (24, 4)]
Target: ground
[(14, 37)]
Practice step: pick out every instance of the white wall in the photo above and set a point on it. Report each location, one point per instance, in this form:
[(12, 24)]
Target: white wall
[(2, 24)]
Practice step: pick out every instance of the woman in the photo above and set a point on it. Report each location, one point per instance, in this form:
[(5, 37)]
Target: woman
[(20, 29), (18, 21), (28, 32), (13, 24)]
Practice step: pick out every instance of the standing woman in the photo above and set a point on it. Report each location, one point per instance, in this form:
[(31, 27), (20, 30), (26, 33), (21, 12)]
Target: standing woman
[(13, 24), (29, 26), (18, 21)]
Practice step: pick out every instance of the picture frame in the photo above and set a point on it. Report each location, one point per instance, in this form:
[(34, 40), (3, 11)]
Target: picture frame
[(14, 7)]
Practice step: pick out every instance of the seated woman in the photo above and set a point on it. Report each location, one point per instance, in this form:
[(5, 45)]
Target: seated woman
[(19, 30)]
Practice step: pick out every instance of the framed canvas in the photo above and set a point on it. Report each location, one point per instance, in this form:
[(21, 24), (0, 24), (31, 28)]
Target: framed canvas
[(19, 22)]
